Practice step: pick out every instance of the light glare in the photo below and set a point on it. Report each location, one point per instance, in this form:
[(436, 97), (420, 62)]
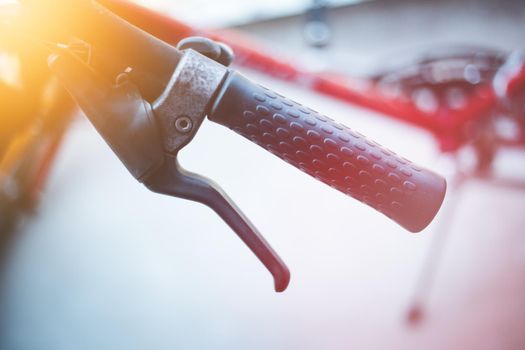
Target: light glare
[(10, 70)]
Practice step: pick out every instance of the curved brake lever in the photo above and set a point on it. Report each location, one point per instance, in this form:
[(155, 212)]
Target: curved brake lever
[(129, 125), (175, 181)]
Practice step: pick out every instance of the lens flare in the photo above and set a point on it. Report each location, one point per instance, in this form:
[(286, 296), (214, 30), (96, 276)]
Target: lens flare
[(10, 73)]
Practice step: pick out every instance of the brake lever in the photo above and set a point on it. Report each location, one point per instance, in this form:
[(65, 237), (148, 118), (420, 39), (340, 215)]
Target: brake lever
[(148, 115), (149, 151)]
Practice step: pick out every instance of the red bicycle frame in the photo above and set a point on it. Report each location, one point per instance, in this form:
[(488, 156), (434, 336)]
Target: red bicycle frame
[(447, 125)]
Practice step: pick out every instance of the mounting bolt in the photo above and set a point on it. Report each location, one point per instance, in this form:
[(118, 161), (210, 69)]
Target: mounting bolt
[(183, 124)]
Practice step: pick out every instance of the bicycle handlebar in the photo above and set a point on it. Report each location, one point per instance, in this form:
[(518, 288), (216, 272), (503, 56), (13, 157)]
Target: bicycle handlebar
[(148, 113)]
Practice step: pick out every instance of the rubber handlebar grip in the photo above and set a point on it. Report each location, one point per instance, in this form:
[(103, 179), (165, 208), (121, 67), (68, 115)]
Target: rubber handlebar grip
[(332, 153)]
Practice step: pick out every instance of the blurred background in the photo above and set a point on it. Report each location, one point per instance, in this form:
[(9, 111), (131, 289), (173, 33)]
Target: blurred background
[(93, 260)]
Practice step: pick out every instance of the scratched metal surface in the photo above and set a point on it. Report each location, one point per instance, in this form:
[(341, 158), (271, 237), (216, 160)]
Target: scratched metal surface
[(104, 264)]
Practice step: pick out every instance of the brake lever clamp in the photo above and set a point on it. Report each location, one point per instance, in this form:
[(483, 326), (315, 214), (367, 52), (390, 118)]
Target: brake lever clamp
[(147, 137), (180, 110)]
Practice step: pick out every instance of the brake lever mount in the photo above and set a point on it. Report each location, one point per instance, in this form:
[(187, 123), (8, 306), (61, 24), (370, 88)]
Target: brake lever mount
[(147, 137), (182, 107)]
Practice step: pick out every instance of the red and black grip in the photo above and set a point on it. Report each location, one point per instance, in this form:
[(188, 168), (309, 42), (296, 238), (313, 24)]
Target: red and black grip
[(330, 152)]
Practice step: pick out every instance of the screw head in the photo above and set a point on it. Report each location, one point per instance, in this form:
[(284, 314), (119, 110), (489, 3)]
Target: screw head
[(183, 124)]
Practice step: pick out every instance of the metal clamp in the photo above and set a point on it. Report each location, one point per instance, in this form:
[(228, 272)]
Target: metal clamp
[(147, 139), (182, 106)]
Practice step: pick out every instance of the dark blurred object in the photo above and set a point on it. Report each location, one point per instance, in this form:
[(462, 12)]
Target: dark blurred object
[(445, 77), (444, 82), (317, 31)]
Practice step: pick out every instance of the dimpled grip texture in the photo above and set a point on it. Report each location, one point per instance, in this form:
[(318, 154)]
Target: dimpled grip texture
[(330, 152)]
